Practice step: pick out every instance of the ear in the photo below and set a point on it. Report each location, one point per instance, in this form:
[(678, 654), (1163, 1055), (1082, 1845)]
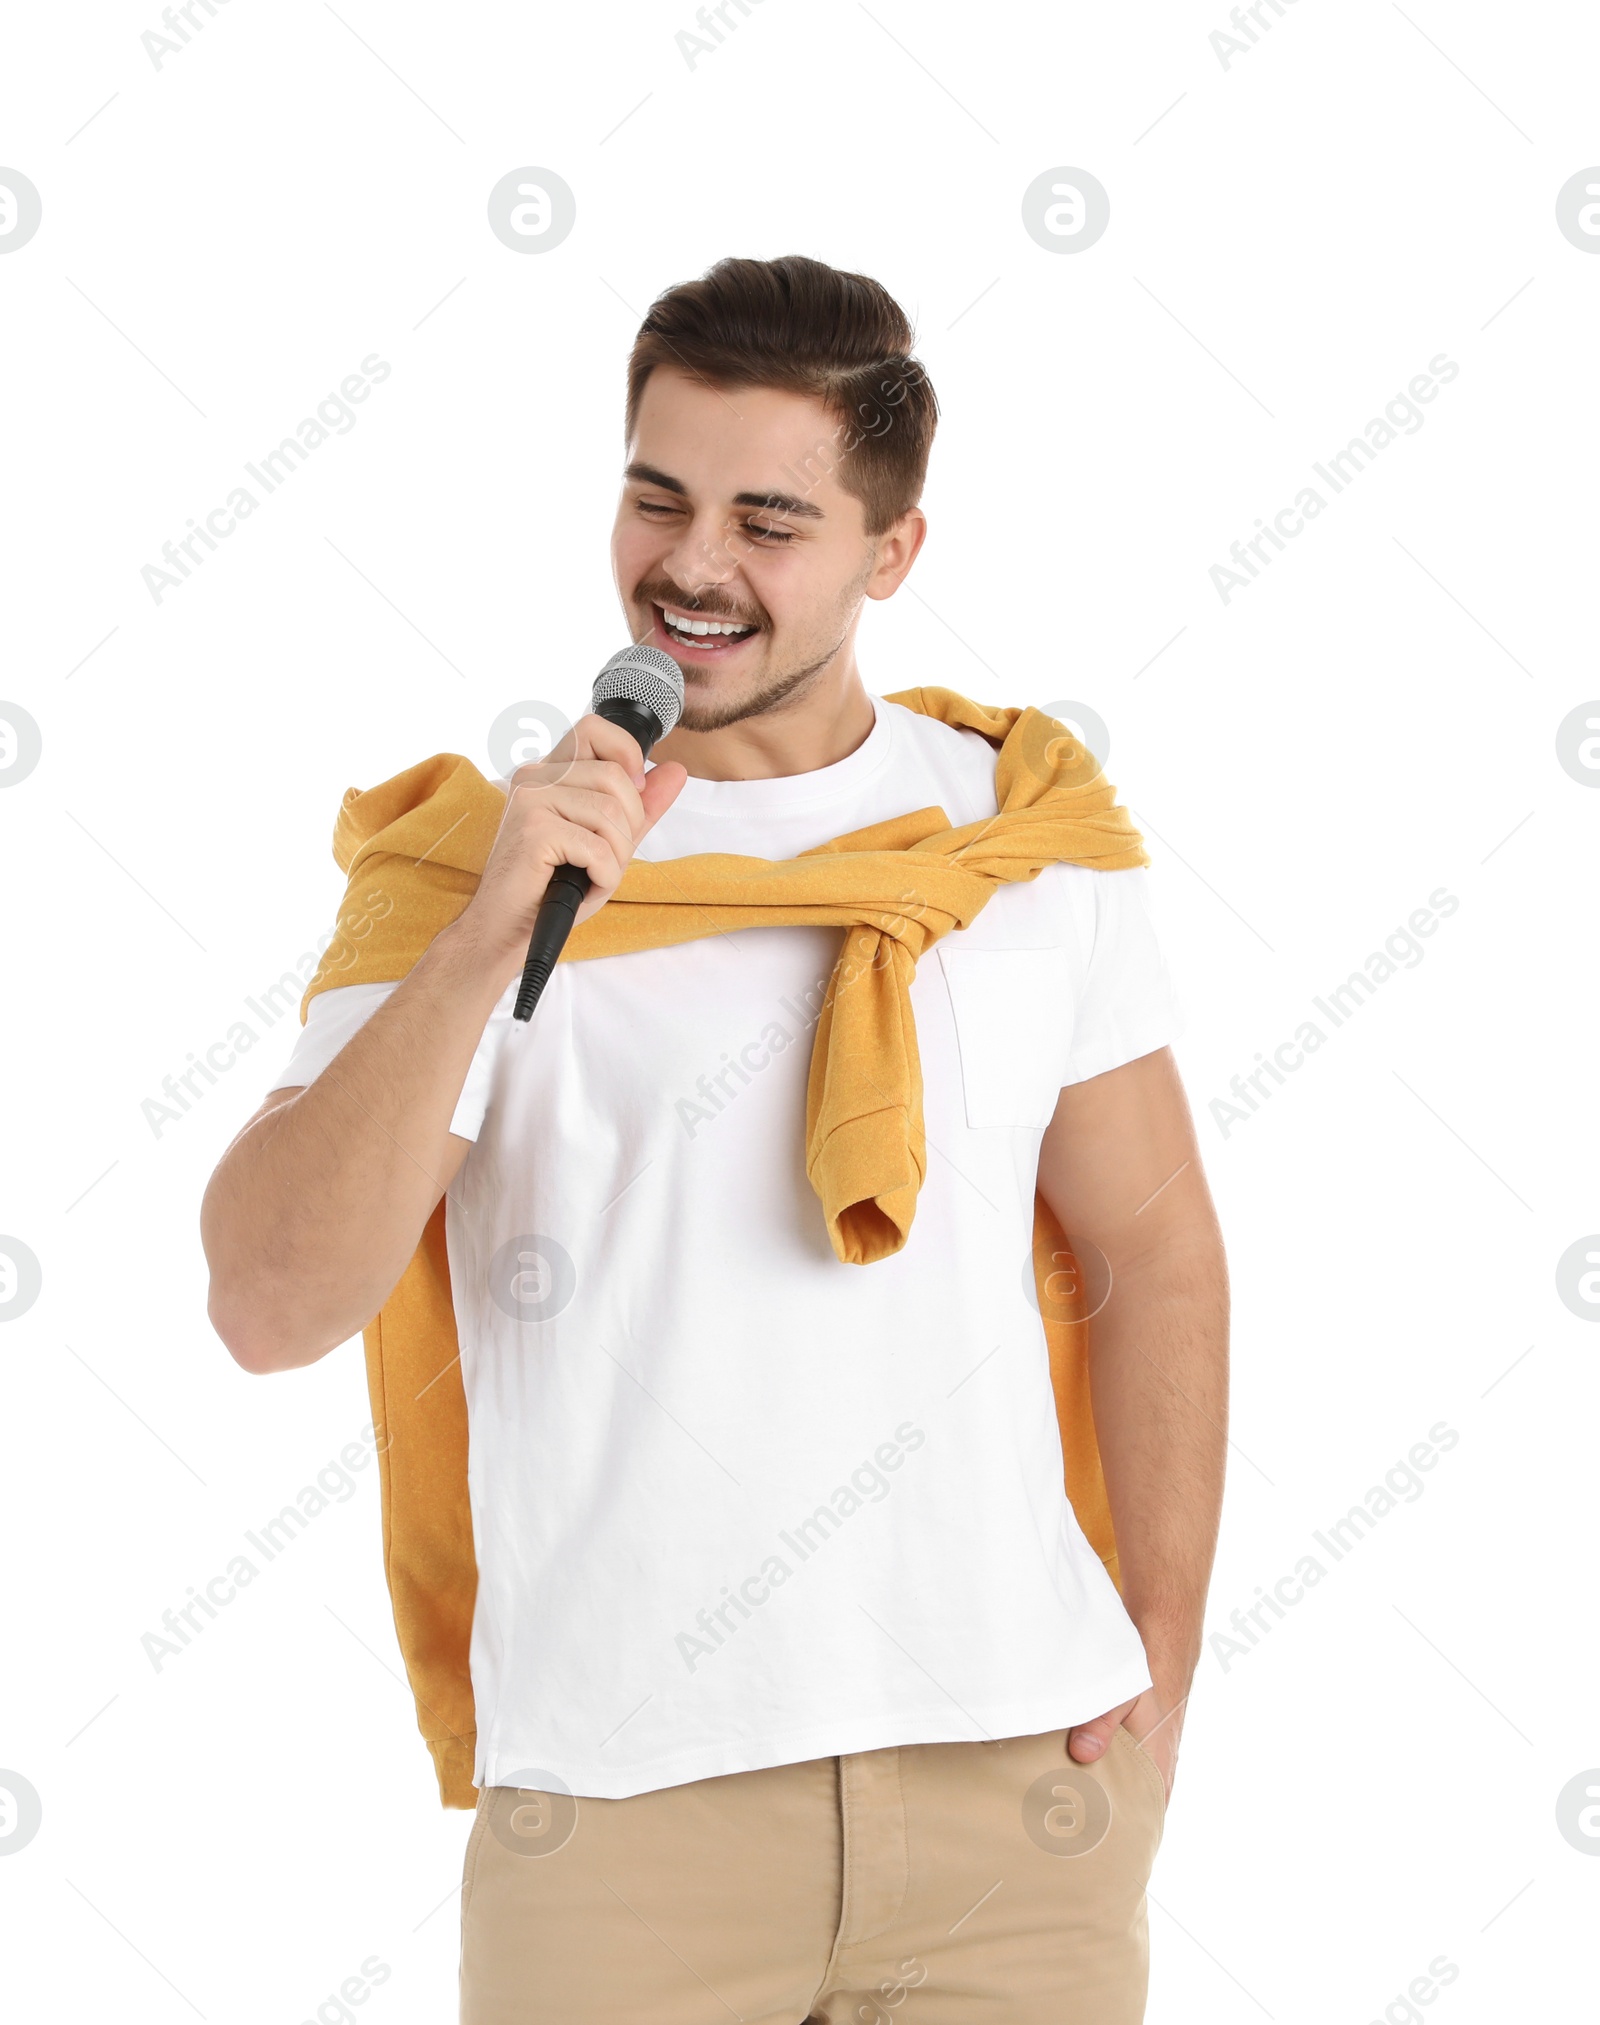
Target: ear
[(897, 551)]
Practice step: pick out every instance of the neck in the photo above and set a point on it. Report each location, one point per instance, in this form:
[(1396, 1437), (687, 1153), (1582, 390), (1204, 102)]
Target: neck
[(818, 726)]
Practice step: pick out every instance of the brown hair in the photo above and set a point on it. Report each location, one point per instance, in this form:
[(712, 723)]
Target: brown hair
[(808, 328)]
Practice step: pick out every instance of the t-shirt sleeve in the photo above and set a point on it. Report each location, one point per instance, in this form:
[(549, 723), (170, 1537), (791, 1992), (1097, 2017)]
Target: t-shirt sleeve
[(1129, 1004), (334, 1016)]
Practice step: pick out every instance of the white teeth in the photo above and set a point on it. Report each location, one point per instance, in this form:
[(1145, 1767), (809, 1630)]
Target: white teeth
[(700, 627)]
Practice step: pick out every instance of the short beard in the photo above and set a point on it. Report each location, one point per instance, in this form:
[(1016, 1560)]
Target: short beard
[(778, 692), (781, 690)]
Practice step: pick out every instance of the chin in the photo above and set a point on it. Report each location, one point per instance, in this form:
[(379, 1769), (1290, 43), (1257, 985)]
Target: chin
[(710, 705)]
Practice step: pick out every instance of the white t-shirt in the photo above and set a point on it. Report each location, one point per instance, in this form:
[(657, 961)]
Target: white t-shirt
[(736, 1504)]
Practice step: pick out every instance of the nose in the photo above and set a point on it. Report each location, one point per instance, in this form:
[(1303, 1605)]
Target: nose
[(702, 558)]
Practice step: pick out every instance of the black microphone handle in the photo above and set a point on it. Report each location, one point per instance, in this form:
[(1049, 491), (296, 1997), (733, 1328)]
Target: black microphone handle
[(568, 884)]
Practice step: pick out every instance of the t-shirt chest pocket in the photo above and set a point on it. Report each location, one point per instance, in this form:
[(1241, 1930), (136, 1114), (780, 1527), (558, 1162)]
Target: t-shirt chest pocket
[(1013, 1020)]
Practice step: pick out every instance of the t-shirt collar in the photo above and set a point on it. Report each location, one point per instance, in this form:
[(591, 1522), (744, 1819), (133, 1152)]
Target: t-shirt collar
[(795, 790)]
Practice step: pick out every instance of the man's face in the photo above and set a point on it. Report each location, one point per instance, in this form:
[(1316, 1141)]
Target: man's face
[(732, 515)]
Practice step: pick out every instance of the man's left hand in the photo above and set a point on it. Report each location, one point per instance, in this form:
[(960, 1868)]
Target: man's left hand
[(1153, 1719)]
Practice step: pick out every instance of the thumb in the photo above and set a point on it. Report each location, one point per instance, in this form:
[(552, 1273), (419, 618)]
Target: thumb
[(1087, 1741), (661, 788)]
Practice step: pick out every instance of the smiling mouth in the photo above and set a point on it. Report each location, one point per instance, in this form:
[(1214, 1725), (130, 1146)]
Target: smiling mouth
[(702, 635)]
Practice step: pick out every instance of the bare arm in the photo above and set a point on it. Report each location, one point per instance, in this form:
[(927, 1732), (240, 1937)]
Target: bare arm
[(1120, 1167), (317, 1206)]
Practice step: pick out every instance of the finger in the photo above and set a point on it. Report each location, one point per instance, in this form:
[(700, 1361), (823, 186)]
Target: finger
[(577, 844), (535, 829), (591, 811), (1090, 1740), (662, 785), (605, 776), (611, 777), (593, 791), (598, 738)]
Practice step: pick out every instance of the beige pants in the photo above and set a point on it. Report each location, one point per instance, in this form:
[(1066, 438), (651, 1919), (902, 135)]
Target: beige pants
[(935, 1884)]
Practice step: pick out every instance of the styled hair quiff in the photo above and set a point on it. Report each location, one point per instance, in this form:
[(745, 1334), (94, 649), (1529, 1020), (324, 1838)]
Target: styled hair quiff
[(800, 325)]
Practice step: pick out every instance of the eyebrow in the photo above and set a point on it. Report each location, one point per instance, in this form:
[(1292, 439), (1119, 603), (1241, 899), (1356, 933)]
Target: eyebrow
[(774, 502)]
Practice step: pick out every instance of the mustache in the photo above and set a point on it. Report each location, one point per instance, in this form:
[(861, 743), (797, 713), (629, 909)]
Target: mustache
[(665, 594)]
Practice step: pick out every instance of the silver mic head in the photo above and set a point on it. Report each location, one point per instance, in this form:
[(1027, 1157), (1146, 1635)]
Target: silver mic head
[(646, 676)]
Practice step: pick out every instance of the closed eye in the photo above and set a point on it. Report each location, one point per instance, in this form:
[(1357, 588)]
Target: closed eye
[(771, 537)]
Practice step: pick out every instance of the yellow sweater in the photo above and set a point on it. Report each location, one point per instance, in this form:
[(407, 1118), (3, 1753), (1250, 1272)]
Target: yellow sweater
[(413, 849)]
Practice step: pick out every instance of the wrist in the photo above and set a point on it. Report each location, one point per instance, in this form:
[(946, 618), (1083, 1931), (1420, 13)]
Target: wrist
[(475, 955), (1172, 1651)]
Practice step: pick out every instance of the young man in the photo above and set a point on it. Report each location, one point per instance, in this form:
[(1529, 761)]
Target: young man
[(797, 1686)]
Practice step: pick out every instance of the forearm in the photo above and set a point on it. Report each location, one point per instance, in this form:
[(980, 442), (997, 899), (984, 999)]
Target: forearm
[(1158, 1380), (315, 1209)]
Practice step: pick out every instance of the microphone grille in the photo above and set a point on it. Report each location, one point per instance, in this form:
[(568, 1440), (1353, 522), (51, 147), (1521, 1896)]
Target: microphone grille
[(646, 676)]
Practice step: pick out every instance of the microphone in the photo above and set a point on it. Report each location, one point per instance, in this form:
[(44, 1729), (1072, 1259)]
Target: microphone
[(640, 689)]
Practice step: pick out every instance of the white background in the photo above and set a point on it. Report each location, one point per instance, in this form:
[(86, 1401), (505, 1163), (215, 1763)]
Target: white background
[(1293, 236)]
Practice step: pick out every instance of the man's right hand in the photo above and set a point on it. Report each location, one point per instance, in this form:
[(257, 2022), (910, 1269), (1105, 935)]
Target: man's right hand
[(317, 1206), (590, 803)]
